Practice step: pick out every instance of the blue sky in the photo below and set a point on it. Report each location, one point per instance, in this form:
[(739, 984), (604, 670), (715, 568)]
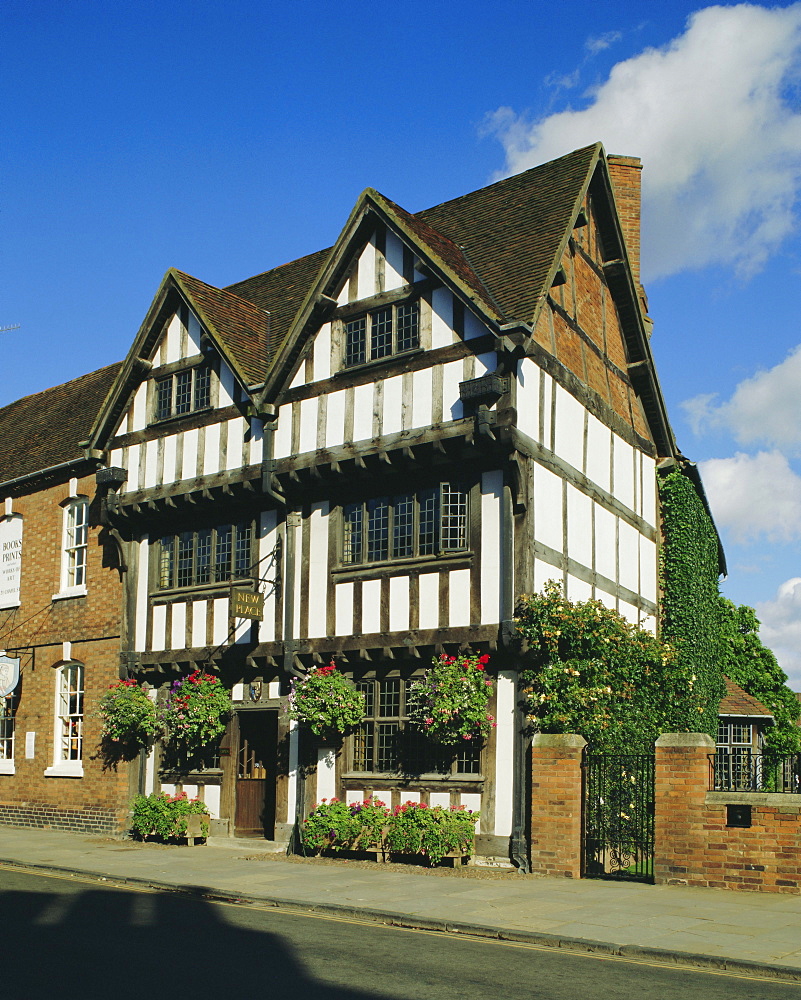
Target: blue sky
[(226, 138)]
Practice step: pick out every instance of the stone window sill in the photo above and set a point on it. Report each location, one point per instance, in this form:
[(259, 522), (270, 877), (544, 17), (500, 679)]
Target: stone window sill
[(66, 769)]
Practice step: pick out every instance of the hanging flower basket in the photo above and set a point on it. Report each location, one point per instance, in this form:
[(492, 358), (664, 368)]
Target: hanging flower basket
[(129, 719), (326, 701), (449, 703), (195, 712)]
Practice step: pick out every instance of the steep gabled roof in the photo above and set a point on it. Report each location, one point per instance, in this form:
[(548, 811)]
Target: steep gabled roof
[(42, 431), (738, 702)]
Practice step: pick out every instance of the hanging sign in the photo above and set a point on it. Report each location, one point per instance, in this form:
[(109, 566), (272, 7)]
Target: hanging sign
[(9, 674), (10, 560), (245, 604)]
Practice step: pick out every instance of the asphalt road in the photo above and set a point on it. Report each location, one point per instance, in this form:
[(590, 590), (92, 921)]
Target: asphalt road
[(72, 938)]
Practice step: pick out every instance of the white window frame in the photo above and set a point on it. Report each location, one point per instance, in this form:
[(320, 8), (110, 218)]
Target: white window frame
[(74, 548), (69, 718), (8, 726)]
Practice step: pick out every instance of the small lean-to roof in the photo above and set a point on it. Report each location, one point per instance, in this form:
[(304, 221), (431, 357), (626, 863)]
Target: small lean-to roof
[(44, 430), (736, 701)]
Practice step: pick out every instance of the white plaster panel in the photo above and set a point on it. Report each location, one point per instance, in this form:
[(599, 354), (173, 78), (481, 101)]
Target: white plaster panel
[(393, 262), (473, 327), (169, 475), (238, 691), (629, 612), (547, 398), (569, 428), (227, 382), (298, 582), (459, 597), (649, 504), (371, 606), (504, 752), (151, 463), (115, 459), (300, 377), (452, 406), (335, 419), (178, 629), (211, 796), (471, 801), (322, 353), (406, 796), (158, 638), (282, 443), (139, 408), (422, 398), (543, 572), (292, 784), (211, 452), (173, 346), (528, 398), (491, 546), (189, 466), (629, 556), (441, 318), (318, 568), (648, 572), (578, 590), (442, 799), (353, 795), (274, 689), (393, 401), (256, 444), (429, 600), (191, 791), (242, 630), (194, 334), (363, 412), (168, 787), (344, 291), (219, 621), (486, 363), (233, 451), (398, 603), (133, 468), (326, 774), (548, 508), (199, 612), (140, 625), (308, 424), (344, 608), (579, 526), (366, 272), (648, 622), (150, 772), (599, 449), (624, 471), (605, 543)]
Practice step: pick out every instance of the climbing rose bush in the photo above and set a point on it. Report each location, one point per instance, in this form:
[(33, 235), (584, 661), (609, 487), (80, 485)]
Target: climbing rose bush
[(195, 711), (326, 701), (449, 703)]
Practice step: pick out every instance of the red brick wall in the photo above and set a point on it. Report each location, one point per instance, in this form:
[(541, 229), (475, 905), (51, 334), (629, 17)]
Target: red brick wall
[(35, 632), (694, 846), (556, 805)]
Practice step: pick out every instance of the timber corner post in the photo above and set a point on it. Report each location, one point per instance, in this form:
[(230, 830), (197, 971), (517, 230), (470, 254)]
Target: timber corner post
[(556, 804)]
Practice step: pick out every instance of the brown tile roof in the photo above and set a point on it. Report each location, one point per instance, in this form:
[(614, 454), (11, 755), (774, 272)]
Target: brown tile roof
[(242, 327), (739, 702), (43, 430)]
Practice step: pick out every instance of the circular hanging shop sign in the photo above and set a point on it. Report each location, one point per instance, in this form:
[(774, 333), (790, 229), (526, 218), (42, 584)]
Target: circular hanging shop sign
[(9, 674)]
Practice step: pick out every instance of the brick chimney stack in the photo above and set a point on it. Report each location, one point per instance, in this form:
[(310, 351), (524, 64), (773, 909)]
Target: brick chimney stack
[(626, 173)]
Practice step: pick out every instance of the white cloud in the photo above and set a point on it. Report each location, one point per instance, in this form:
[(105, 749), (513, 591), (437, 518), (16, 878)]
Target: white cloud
[(754, 496), (601, 42), (765, 408), (712, 115), (781, 628)]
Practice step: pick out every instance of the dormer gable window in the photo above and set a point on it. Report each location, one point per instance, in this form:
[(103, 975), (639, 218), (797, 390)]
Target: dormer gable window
[(380, 333), (184, 391)]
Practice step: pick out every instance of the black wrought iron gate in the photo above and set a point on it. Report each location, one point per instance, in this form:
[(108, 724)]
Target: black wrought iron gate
[(619, 816)]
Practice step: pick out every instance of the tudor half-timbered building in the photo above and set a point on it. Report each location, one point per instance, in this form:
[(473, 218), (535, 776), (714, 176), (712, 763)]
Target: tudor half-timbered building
[(389, 440)]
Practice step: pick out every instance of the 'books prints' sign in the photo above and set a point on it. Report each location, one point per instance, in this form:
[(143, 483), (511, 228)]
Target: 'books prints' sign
[(10, 560)]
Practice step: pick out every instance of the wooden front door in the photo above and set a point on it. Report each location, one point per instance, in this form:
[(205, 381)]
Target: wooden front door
[(255, 774)]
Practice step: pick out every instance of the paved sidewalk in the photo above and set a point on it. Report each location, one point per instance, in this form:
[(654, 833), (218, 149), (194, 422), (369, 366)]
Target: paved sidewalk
[(757, 932)]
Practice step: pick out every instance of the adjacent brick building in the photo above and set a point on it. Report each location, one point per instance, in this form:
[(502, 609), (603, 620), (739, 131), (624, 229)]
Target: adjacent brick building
[(60, 608)]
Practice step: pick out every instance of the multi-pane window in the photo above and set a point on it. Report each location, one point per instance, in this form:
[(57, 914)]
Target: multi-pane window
[(386, 744), (736, 763), (76, 539), (69, 722), (425, 523), (183, 392), (208, 555), (7, 713), (382, 332)]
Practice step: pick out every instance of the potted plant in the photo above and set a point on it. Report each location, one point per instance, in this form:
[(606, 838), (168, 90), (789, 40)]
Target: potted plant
[(129, 721), (169, 817), (449, 703), (326, 701)]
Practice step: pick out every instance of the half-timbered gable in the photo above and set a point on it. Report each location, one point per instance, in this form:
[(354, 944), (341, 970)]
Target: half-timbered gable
[(390, 440)]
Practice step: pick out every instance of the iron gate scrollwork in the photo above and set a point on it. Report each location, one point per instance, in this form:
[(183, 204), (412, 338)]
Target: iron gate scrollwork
[(619, 816)]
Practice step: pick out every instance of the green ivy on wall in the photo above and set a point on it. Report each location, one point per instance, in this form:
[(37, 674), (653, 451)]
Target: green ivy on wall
[(691, 599)]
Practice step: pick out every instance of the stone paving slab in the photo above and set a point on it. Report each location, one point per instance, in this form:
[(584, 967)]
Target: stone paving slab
[(668, 923)]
